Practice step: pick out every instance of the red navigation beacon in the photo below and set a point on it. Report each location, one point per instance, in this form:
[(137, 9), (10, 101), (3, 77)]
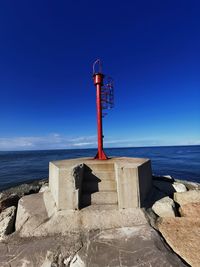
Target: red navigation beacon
[(104, 100)]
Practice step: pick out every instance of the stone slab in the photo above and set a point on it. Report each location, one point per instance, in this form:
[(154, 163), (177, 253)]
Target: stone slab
[(128, 246), (38, 252), (33, 217), (31, 213)]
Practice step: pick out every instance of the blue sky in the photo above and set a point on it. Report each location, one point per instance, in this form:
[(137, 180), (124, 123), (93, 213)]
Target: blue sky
[(150, 48)]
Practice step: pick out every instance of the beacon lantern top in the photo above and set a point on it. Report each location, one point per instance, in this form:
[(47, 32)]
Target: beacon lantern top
[(97, 65), (97, 72)]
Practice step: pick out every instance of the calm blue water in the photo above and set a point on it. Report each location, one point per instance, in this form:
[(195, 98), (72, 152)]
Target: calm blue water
[(182, 162)]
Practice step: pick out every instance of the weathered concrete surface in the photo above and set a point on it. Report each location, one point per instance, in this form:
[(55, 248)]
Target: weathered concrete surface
[(134, 182), (190, 210), (38, 252), (183, 236), (34, 217), (191, 196), (165, 207), (134, 246), (132, 176), (7, 219)]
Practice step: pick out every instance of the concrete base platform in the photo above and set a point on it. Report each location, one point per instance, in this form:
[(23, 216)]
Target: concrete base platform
[(34, 217), (77, 183), (86, 194)]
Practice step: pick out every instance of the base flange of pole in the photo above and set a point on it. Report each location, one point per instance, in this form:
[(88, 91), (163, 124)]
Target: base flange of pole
[(101, 155)]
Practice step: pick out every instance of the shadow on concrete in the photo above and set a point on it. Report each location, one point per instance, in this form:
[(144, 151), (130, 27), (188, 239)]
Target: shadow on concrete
[(161, 187), (89, 186)]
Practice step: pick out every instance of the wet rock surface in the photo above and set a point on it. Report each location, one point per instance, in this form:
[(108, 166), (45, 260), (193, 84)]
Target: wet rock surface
[(24, 189)]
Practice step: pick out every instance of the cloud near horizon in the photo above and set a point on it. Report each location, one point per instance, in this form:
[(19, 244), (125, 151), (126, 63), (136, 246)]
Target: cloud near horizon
[(57, 141)]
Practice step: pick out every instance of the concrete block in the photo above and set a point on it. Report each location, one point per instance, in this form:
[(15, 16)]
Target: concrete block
[(101, 175), (131, 178), (109, 197), (134, 182), (105, 185)]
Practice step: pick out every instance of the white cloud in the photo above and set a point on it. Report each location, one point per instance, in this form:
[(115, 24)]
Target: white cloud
[(52, 141), (57, 141)]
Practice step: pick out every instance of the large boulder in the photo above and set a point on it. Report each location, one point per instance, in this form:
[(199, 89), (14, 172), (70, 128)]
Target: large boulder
[(165, 207), (179, 187), (7, 201), (31, 213), (191, 210), (191, 196), (7, 218), (189, 185), (183, 236), (128, 246)]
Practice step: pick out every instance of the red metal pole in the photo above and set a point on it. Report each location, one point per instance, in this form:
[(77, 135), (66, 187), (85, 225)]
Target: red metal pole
[(98, 82)]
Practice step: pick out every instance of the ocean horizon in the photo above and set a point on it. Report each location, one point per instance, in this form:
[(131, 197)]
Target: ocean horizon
[(181, 162)]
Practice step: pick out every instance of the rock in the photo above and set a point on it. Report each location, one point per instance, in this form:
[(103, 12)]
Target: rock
[(25, 189), (189, 185), (183, 236), (179, 187), (8, 201), (45, 187), (7, 218), (164, 207), (31, 213), (165, 187), (187, 197), (127, 246), (169, 177), (36, 252), (190, 210), (36, 216), (166, 178)]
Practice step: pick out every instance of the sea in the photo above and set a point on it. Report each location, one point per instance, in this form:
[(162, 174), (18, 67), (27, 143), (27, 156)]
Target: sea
[(17, 167)]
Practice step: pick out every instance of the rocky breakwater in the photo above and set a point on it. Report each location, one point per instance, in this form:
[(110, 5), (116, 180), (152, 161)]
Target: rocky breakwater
[(136, 245), (175, 213), (9, 201)]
